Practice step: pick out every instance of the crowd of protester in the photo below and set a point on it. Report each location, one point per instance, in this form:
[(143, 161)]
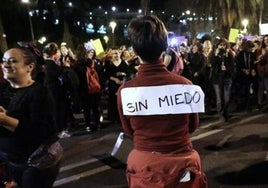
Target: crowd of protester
[(229, 73), (234, 73), (67, 72)]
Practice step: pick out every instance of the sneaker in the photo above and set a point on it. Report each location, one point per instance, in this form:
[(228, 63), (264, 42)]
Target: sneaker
[(88, 129), (101, 118), (64, 134), (91, 129), (67, 134)]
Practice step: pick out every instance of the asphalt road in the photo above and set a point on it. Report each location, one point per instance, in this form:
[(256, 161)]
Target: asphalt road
[(233, 154)]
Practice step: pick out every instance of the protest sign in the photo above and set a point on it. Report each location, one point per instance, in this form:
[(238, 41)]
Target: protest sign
[(167, 99)]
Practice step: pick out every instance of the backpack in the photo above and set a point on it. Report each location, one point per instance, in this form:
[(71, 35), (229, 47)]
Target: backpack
[(93, 83), (178, 66)]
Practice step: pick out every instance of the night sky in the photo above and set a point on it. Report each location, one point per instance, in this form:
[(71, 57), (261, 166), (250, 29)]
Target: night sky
[(15, 18)]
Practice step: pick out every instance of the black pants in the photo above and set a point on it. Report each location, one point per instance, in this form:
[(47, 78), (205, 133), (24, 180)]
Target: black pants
[(91, 102), (113, 114), (30, 177)]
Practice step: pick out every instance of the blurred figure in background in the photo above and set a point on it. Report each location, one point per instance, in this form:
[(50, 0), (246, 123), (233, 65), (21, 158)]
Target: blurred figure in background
[(208, 86), (116, 74), (66, 54), (197, 65), (54, 82), (89, 102), (222, 74), (246, 75), (262, 65), (184, 51), (172, 57), (132, 62)]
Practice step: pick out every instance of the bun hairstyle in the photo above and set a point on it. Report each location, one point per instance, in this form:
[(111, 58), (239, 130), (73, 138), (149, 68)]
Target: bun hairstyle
[(31, 53), (50, 49)]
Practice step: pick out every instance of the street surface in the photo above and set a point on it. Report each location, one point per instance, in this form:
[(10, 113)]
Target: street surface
[(233, 154)]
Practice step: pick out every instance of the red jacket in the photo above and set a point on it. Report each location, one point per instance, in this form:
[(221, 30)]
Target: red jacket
[(159, 133)]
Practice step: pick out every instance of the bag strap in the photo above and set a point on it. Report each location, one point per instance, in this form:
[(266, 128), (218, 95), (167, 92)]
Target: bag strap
[(93, 64)]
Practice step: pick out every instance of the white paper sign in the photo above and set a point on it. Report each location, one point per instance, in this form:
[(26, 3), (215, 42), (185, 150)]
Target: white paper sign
[(167, 99)]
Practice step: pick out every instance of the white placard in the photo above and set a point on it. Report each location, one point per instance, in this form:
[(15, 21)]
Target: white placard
[(167, 99), (264, 29)]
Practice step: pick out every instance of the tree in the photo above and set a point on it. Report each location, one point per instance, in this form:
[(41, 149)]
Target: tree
[(229, 13), (3, 42), (145, 6)]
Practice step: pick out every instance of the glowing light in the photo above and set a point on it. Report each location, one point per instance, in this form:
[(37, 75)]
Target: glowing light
[(113, 25), (113, 8), (42, 40), (173, 42), (106, 39), (245, 22)]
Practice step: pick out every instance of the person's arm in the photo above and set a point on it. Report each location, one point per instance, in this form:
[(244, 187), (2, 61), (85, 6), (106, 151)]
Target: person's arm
[(116, 80), (6, 121)]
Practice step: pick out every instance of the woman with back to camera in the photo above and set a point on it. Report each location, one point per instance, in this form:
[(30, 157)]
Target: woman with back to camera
[(163, 155), (26, 120)]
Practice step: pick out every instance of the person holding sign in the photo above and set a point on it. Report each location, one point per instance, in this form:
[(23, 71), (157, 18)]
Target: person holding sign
[(159, 110)]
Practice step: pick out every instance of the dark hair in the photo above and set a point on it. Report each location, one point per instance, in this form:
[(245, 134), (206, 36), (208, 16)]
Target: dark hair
[(247, 45), (223, 40), (199, 46), (148, 37), (31, 53), (81, 53), (263, 45), (94, 53), (51, 49), (258, 42)]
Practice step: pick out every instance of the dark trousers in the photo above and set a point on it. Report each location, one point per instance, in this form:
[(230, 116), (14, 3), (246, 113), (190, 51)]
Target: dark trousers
[(91, 102), (113, 114), (30, 177)]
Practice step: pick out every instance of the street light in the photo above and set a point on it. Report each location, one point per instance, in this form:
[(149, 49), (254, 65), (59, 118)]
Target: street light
[(42, 40), (113, 25), (188, 12), (30, 19), (106, 39), (245, 24)]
